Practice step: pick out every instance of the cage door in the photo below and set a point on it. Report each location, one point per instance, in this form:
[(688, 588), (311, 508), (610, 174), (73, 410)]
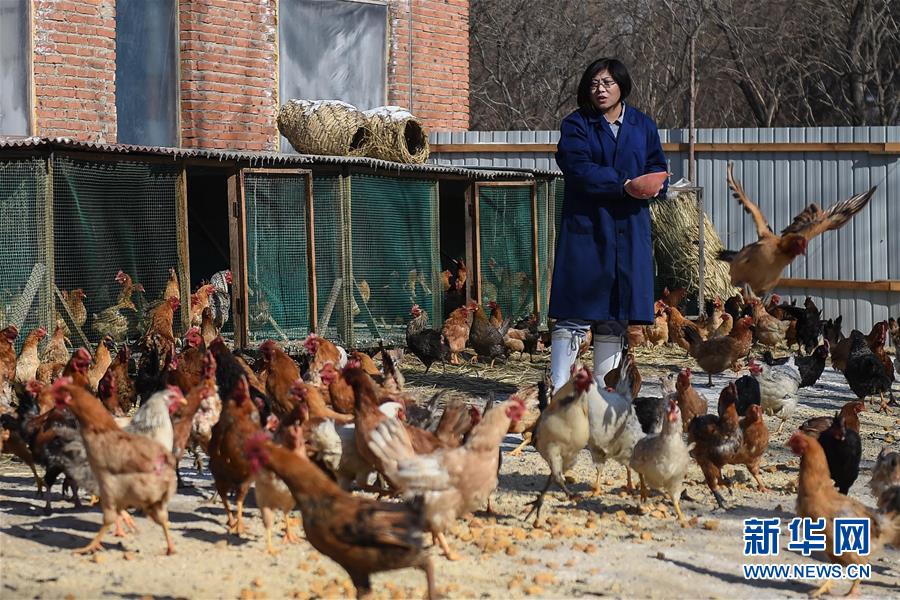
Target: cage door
[(279, 250)]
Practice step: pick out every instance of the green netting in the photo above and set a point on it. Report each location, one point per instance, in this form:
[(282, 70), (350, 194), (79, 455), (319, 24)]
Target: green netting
[(110, 216), (395, 255), (544, 250), (557, 196), (277, 262), (507, 249), (24, 285), (329, 274)]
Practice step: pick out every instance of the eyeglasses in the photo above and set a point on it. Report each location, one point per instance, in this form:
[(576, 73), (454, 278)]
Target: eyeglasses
[(604, 83)]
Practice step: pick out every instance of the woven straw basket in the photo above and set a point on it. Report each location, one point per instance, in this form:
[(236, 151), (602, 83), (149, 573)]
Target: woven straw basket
[(326, 127)]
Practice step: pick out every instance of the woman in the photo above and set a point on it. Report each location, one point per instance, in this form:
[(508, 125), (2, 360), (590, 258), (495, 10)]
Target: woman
[(603, 272)]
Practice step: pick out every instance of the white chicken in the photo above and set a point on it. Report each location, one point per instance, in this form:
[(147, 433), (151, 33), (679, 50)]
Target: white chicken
[(154, 418), (662, 459), (562, 431), (778, 387), (335, 446), (613, 425)]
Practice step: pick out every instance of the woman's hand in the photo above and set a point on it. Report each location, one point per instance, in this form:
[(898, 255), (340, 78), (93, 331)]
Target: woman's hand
[(646, 186)]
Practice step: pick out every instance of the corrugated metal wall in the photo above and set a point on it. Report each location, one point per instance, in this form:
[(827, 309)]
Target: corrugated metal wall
[(782, 183)]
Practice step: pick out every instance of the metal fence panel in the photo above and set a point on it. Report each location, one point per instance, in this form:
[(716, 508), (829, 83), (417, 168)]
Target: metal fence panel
[(111, 216), (782, 183)]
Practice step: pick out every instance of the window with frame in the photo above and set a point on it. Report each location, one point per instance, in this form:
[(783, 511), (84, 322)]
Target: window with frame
[(332, 50), (146, 72), (15, 76)]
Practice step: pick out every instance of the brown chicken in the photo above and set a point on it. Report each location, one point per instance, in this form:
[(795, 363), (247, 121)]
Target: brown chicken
[(710, 323), (183, 419), (759, 265), (7, 363), (231, 471), (611, 379), (673, 298), (691, 403), (75, 302), (769, 330), (340, 394), (496, 317), (456, 331), (817, 498), (132, 471), (849, 411), (718, 354), (208, 329), (677, 325), (534, 397), (725, 327), (28, 362), (755, 441), (322, 351), (310, 395), (281, 373), (102, 361), (366, 363), (271, 492), (453, 481), (717, 440), (56, 350), (368, 417), (121, 395), (658, 333), (199, 302), (112, 321), (364, 536)]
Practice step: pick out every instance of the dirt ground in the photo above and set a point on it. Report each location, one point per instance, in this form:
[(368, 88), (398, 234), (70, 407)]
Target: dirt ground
[(598, 546)]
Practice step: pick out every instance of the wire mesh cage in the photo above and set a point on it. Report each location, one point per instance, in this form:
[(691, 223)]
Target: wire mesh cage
[(277, 222), (506, 247), (395, 255), (112, 216), (25, 288)]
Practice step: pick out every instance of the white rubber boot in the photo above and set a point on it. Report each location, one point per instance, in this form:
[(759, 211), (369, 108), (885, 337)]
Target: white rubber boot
[(607, 354), (563, 351)]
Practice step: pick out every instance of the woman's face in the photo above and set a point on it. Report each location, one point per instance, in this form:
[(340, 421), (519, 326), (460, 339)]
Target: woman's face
[(605, 92)]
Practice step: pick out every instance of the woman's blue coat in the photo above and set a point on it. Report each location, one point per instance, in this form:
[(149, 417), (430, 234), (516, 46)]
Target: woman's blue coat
[(603, 268)]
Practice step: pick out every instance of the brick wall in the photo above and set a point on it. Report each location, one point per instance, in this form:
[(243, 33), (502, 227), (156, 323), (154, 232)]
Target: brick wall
[(75, 69), (440, 61), (228, 74), (229, 95)]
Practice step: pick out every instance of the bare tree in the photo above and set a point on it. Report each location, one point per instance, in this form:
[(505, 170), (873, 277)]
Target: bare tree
[(730, 63)]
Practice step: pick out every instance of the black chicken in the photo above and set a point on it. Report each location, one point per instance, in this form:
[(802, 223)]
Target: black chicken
[(811, 367), (428, 345), (486, 339), (809, 324), (651, 412), (843, 451), (865, 372), (747, 395)]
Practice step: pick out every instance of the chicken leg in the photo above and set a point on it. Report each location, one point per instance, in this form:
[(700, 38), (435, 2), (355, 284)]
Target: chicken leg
[(822, 589), (526, 439), (94, 545), (440, 540)]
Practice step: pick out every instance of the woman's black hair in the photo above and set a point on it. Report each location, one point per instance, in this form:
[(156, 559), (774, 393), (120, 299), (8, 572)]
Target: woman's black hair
[(616, 70)]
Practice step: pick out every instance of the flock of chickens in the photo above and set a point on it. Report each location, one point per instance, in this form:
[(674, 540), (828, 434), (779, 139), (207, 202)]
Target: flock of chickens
[(323, 430)]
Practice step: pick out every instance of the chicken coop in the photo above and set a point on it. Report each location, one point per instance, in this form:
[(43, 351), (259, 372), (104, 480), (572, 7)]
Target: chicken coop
[(340, 246)]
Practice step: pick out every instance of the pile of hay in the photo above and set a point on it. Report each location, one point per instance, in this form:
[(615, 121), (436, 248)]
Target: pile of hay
[(676, 244), (396, 135), (326, 127)]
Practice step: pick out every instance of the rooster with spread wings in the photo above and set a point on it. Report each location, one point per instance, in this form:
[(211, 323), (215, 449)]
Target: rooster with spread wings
[(759, 265)]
